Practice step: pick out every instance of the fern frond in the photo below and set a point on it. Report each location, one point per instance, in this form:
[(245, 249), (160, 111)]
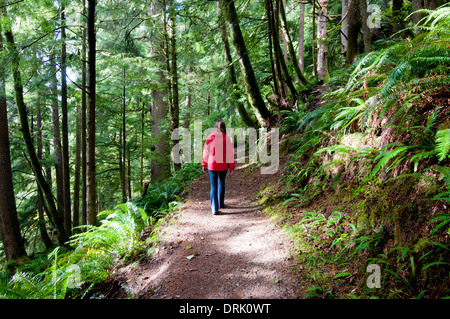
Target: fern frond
[(400, 72), (386, 156), (335, 148), (420, 156), (442, 143), (445, 174), (438, 20)]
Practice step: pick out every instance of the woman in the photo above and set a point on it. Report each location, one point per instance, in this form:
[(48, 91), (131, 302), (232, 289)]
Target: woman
[(218, 157)]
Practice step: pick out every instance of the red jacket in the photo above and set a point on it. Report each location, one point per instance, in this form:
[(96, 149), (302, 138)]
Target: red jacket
[(218, 152)]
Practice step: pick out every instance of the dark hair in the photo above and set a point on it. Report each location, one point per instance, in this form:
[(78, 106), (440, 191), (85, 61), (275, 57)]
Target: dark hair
[(220, 125)]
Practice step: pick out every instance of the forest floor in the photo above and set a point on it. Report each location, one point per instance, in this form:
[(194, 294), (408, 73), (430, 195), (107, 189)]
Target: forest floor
[(238, 254)]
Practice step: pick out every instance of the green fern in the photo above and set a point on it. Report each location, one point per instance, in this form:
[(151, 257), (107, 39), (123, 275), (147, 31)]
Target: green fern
[(335, 148), (445, 175), (420, 156), (442, 143), (385, 157), (444, 220)]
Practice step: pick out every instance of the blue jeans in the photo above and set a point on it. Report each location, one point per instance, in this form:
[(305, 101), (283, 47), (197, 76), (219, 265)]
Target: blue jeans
[(217, 179)]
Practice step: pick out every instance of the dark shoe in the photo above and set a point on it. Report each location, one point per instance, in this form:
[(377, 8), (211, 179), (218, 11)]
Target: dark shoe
[(217, 213)]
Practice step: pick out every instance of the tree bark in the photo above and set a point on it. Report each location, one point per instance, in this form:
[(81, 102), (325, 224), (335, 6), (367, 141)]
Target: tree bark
[(322, 39), (417, 5), (278, 87), (83, 123), (344, 28), (65, 129), (160, 164), (290, 47), (76, 183), (123, 144), (251, 85), (367, 37), (352, 32), (274, 45), (41, 220), (235, 90), (121, 167), (175, 105), (313, 46), (396, 14), (188, 101), (57, 139), (141, 175), (13, 244), (91, 183), (280, 63), (36, 166), (301, 38)]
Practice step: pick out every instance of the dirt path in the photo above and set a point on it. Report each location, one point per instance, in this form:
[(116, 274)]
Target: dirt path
[(238, 254)]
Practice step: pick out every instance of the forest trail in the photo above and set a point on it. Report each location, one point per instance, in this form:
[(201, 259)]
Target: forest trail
[(239, 254)]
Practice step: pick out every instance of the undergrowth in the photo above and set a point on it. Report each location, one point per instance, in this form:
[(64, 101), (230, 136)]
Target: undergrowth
[(126, 234), (369, 178)]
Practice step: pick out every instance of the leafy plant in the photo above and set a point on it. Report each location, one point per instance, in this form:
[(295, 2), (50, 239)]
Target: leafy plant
[(442, 143)]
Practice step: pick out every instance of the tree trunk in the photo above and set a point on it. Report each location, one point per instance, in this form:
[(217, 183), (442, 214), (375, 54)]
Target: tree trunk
[(251, 85), (91, 184), (141, 175), (278, 88), (367, 37), (121, 167), (313, 46), (187, 104), (36, 166), (141, 171), (352, 33), (322, 39), (83, 123), (290, 47), (65, 130), (41, 221), (57, 139), (274, 45), (160, 164), (175, 105), (129, 173), (9, 224), (396, 14), (235, 90), (344, 28), (285, 75), (301, 38), (417, 5), (76, 183), (280, 62), (123, 144), (13, 244)]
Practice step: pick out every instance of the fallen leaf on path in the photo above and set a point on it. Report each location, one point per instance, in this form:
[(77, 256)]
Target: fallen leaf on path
[(188, 247)]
